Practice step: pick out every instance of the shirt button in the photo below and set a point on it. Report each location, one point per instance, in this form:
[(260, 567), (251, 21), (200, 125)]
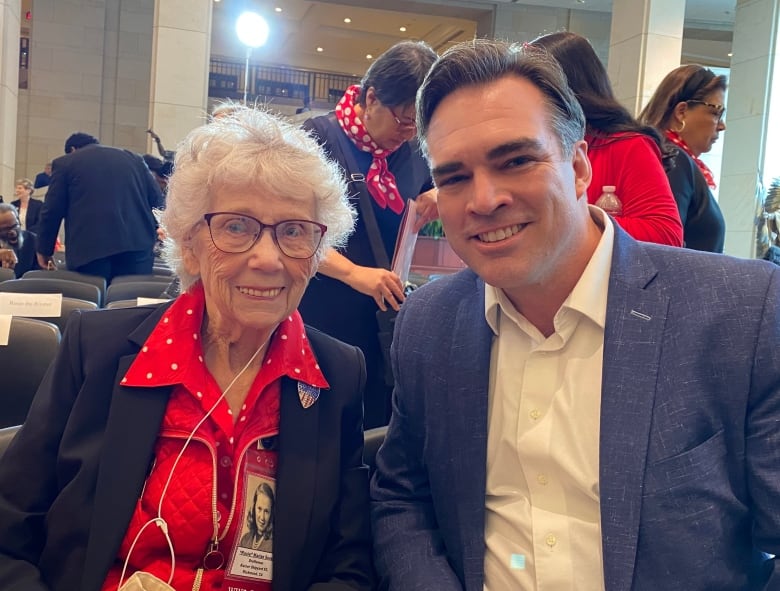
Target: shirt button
[(542, 479), (551, 540), (225, 462), (535, 414)]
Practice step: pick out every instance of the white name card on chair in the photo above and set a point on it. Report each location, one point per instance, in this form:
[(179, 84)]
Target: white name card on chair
[(5, 328), (148, 301), (36, 305)]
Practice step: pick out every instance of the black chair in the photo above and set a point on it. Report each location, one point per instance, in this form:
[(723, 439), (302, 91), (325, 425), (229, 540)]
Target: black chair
[(134, 289), (372, 441), (32, 345), (68, 306), (6, 274), (126, 304), (96, 280), (166, 279), (69, 289), (6, 435)]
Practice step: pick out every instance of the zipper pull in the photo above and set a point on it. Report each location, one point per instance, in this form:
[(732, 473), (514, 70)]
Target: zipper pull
[(214, 559)]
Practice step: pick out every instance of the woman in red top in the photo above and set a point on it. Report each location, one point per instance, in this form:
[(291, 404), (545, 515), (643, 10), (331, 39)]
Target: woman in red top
[(139, 463), (622, 152)]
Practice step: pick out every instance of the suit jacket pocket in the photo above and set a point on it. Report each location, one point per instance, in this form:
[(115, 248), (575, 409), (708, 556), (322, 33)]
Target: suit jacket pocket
[(693, 480)]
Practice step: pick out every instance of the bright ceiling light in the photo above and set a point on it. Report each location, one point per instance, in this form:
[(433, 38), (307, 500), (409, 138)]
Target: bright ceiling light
[(347, 20), (278, 9), (320, 49), (730, 54), (252, 30), (402, 29), (369, 56)]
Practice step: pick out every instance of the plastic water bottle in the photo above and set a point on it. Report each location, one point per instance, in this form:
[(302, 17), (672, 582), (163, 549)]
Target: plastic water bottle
[(608, 201)]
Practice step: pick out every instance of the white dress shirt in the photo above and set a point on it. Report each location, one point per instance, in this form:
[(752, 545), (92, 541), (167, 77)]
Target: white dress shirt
[(543, 519)]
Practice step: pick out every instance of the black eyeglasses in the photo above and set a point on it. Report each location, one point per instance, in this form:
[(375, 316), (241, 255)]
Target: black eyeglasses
[(717, 110), (402, 123), (237, 232)]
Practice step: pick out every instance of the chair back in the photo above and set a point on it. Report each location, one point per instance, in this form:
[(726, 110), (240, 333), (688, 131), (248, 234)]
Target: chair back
[(70, 289), (6, 435), (32, 345), (6, 274), (68, 306), (134, 289), (128, 304), (166, 279), (96, 280)]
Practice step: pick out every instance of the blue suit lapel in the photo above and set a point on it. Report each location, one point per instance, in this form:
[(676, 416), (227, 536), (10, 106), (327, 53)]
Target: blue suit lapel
[(467, 390), (636, 317)]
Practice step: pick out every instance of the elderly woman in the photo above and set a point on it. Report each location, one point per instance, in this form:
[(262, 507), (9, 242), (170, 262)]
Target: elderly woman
[(371, 134), (141, 452), (29, 208), (688, 108)]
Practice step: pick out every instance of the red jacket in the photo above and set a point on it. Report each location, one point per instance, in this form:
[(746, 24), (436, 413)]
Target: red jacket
[(632, 163)]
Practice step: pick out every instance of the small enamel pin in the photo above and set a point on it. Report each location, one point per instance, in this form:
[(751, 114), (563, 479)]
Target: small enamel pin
[(308, 394)]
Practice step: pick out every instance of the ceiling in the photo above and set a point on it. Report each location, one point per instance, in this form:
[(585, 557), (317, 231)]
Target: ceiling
[(303, 26)]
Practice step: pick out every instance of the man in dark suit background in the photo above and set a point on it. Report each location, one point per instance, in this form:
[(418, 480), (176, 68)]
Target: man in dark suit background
[(106, 196), (42, 179), (21, 242), (577, 411)]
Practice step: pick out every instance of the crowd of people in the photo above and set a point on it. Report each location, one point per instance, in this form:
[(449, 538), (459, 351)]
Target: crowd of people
[(593, 403)]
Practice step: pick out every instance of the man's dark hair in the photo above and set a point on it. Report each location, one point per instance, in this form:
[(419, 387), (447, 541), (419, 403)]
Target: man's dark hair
[(78, 140), (398, 72), (482, 61)]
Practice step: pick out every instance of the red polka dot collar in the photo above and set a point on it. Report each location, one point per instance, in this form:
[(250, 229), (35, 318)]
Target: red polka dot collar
[(173, 352)]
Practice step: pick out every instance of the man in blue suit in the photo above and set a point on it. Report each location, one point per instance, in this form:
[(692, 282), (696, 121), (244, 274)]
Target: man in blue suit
[(577, 410)]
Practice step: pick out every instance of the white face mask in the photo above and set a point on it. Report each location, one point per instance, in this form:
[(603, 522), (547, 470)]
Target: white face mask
[(141, 581)]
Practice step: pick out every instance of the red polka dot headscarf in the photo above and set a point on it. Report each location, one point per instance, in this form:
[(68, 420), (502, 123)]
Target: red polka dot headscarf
[(379, 180)]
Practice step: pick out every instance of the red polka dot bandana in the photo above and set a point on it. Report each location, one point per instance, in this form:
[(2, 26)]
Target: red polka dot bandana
[(379, 180)]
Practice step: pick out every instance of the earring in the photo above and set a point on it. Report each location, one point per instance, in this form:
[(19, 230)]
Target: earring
[(681, 128)]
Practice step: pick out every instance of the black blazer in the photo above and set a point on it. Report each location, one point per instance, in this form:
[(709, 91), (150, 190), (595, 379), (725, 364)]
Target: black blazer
[(34, 207), (106, 196), (703, 225), (71, 478)]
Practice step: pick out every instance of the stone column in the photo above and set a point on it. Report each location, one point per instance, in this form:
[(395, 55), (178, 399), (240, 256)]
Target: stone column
[(645, 44), (180, 66), (754, 67), (10, 11)]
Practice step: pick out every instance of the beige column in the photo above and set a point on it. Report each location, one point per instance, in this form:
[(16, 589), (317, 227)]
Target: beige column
[(754, 65), (645, 43), (10, 11), (180, 65)]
